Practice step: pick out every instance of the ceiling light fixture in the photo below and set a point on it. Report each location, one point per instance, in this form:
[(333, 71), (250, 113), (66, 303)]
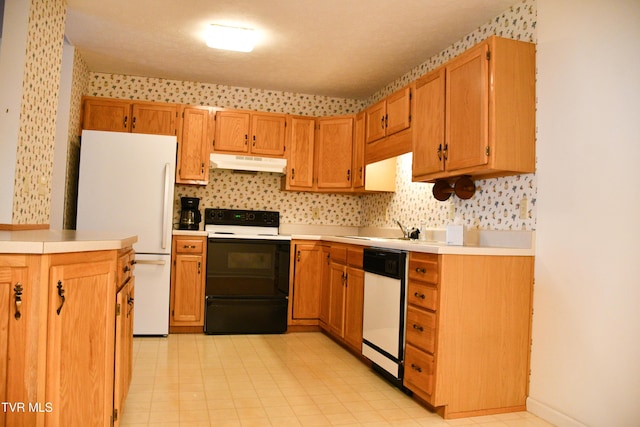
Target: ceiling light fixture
[(230, 38)]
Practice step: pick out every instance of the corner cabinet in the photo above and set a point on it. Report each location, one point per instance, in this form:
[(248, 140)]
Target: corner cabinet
[(475, 115), (468, 332), (187, 283), (57, 348)]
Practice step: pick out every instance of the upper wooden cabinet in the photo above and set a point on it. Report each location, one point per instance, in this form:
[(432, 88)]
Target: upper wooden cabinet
[(250, 132), (358, 151), (300, 138), (389, 116), (476, 115), (334, 152), (120, 115), (194, 145)]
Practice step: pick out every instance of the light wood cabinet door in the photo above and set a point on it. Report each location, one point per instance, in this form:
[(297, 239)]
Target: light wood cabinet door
[(334, 152), (106, 114), (375, 121), (121, 342), (336, 299), (467, 109), (81, 308), (193, 146), (358, 151), (187, 290), (300, 152), (16, 316), (267, 134), (398, 115), (428, 127), (325, 286), (354, 302), (154, 118), (232, 131), (307, 281)]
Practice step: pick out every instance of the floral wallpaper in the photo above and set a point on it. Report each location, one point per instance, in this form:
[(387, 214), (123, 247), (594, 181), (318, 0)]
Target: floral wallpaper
[(36, 137), (496, 204)]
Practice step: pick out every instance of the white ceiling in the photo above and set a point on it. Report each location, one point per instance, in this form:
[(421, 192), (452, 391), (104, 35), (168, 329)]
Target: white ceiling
[(341, 48)]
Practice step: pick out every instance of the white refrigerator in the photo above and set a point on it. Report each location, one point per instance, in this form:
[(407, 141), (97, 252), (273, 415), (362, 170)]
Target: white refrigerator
[(126, 184)]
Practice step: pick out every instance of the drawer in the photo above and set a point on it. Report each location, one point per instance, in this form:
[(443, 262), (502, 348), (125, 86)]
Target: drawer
[(423, 295), (354, 256), (339, 254), (419, 371), (189, 246), (423, 267), (125, 267), (421, 329)]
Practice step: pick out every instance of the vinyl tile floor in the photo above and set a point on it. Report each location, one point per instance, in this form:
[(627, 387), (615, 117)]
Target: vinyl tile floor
[(294, 379)]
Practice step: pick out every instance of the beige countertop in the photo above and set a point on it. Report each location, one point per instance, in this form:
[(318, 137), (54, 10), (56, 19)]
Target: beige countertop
[(61, 241), (477, 242)]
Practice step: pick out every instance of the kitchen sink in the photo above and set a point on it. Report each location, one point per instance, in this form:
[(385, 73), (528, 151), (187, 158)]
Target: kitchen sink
[(376, 239)]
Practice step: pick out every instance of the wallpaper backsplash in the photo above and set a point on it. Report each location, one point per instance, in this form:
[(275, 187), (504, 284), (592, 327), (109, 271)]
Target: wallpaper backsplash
[(495, 206), (36, 137)]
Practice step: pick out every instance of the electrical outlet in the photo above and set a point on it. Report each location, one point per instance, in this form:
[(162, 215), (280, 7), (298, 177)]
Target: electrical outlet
[(42, 186), (524, 214), (315, 213)]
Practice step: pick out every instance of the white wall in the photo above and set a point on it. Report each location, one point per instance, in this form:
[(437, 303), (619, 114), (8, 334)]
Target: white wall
[(585, 366)]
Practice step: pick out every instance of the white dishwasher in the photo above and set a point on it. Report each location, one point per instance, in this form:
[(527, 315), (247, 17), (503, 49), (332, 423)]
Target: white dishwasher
[(384, 311)]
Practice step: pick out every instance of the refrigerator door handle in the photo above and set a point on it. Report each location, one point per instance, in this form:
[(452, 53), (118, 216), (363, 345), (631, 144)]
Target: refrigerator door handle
[(150, 262), (166, 216)]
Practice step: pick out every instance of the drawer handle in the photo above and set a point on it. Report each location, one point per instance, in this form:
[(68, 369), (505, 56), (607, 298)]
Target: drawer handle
[(417, 295), (421, 270), (418, 327), (61, 295), (189, 247), (126, 269), (416, 367)]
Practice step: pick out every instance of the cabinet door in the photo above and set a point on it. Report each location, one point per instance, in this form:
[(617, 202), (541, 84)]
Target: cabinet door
[(398, 116), (336, 299), (156, 119), (335, 147), (187, 294), (15, 303), (120, 384), (107, 114), (300, 152), (81, 308), (232, 131), (428, 124), (325, 285), (306, 285), (375, 121), (467, 107), (358, 151), (267, 134), (193, 148), (354, 301)]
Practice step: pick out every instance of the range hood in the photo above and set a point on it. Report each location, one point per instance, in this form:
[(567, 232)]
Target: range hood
[(248, 163)]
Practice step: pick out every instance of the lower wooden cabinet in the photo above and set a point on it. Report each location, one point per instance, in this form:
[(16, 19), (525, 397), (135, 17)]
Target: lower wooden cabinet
[(468, 332), (188, 275), (58, 355)]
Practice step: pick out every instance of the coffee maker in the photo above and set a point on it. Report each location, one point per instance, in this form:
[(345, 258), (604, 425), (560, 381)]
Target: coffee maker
[(190, 215)]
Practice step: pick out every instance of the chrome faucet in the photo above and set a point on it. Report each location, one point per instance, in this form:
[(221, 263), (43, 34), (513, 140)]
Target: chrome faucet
[(405, 230)]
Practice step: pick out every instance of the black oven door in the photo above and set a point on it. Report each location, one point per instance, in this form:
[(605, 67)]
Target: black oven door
[(247, 268)]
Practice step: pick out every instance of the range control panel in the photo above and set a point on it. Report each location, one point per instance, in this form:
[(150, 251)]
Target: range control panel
[(242, 217)]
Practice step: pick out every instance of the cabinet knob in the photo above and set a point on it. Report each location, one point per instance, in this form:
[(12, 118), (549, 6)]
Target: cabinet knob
[(133, 123), (61, 295), (418, 327), (124, 122), (421, 270), (416, 367), (293, 173), (418, 295)]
